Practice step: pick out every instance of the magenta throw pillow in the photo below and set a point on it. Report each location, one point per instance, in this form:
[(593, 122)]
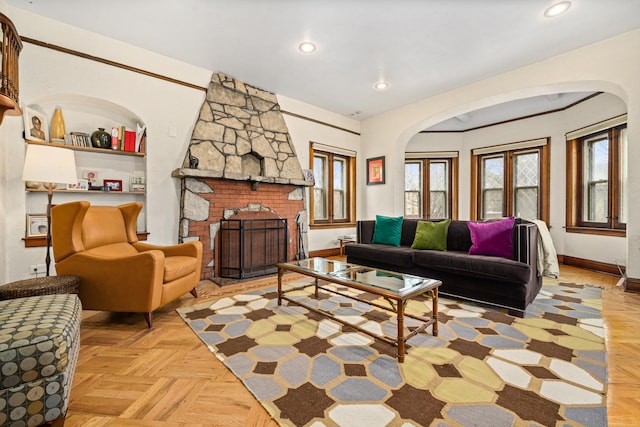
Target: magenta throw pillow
[(492, 238)]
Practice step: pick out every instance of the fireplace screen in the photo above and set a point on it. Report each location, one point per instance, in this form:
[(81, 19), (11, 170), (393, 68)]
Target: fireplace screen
[(251, 247)]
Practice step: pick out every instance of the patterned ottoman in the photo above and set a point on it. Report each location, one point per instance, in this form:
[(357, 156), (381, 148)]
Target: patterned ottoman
[(39, 343)]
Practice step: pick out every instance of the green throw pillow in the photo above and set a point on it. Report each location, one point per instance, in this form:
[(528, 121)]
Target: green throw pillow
[(431, 235), (387, 230)]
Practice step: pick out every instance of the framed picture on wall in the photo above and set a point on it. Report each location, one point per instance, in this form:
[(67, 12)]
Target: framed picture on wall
[(35, 125), (36, 225), (375, 170)]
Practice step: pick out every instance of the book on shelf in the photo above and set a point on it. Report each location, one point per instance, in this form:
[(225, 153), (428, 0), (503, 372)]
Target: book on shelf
[(78, 139), (129, 141), (115, 144)]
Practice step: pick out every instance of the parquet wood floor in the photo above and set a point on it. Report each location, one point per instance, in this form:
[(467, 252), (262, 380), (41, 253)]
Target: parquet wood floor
[(128, 375)]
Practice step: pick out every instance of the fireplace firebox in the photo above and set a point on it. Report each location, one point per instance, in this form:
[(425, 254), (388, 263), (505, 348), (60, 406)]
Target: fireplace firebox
[(251, 247)]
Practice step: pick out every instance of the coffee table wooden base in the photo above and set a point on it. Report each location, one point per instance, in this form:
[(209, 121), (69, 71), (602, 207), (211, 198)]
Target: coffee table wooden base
[(397, 306)]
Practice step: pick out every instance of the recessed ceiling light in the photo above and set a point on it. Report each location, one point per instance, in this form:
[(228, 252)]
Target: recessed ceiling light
[(381, 85), (307, 47), (557, 9)]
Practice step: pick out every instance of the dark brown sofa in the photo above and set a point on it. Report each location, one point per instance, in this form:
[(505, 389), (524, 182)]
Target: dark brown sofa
[(511, 283)]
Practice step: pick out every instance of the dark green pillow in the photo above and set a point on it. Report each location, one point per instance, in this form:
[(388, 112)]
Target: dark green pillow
[(387, 230), (431, 235)]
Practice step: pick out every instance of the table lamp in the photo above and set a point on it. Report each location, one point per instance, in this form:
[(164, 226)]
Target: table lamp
[(49, 165)]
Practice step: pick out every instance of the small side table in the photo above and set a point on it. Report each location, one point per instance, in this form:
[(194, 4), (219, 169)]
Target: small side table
[(344, 241), (40, 286)]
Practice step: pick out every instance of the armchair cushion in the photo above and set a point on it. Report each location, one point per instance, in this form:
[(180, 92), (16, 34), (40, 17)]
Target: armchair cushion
[(176, 267)]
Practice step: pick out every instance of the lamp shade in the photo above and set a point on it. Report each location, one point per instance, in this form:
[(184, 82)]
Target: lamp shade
[(49, 165)]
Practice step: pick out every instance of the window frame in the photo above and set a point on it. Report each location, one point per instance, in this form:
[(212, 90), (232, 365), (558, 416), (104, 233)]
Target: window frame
[(349, 190), (575, 221), (509, 152), (425, 193)]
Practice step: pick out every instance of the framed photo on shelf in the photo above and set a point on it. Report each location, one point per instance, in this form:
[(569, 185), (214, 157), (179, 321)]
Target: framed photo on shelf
[(36, 225), (91, 177), (136, 184), (375, 170), (35, 125), (113, 184), (82, 184)]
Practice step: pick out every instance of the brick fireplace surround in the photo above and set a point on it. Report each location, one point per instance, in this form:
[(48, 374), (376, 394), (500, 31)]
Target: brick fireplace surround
[(228, 198)]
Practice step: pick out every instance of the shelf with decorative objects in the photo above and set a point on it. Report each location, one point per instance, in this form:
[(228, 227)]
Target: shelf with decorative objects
[(109, 145)]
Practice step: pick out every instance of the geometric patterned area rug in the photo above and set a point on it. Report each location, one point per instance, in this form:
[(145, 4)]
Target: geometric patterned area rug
[(485, 368)]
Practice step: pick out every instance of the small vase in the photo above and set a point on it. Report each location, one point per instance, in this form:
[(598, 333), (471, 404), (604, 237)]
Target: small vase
[(57, 125), (101, 139)]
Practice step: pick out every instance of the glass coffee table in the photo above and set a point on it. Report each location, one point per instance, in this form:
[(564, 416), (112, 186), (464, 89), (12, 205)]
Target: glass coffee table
[(396, 288)]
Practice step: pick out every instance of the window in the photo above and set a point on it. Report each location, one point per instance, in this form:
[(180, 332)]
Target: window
[(333, 195), (596, 178), (511, 180), (430, 187)]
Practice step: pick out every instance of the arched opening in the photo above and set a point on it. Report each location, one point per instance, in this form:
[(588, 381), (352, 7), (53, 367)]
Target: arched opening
[(548, 118)]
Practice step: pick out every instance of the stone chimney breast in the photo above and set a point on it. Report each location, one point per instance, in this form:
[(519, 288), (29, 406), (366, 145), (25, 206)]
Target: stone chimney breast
[(241, 134)]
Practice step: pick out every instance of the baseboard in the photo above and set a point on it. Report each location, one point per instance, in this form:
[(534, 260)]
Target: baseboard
[(590, 265), (323, 253), (633, 285)]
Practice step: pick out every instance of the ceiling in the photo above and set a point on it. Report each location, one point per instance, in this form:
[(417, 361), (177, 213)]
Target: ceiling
[(421, 47)]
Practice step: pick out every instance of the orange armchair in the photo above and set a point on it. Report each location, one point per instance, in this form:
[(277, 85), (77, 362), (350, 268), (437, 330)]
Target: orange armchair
[(99, 245)]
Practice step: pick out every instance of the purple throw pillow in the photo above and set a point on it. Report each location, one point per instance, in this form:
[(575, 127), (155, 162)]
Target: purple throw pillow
[(492, 238)]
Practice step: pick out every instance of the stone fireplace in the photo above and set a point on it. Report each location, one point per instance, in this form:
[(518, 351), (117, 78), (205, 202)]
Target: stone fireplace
[(240, 163)]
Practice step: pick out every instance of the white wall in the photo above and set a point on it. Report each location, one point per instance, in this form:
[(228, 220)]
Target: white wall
[(553, 126), (609, 66), (160, 104), (303, 132)]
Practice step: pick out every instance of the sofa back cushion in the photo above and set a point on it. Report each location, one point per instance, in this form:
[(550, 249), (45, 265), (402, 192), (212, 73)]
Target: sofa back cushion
[(387, 230), (458, 236), (493, 238), (431, 235)]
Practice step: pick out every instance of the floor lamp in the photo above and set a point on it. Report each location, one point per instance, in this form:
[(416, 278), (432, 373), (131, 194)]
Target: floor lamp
[(49, 165)]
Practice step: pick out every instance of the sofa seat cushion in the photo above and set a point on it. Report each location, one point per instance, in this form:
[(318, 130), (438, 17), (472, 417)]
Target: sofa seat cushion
[(484, 266), (38, 334), (176, 267), (401, 255)]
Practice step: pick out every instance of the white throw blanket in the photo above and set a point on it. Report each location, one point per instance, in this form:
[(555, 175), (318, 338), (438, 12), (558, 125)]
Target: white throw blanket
[(547, 256)]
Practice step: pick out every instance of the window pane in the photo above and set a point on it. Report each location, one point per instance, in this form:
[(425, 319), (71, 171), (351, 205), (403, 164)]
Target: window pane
[(596, 182), (320, 202), (598, 193), (493, 187), (492, 204), (437, 176), (526, 171), (413, 189), (492, 172), (622, 202), (412, 203), (599, 161), (438, 205), (339, 186), (339, 211), (526, 202)]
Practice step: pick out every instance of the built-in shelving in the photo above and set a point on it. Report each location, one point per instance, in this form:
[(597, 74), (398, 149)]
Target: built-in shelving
[(86, 115)]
